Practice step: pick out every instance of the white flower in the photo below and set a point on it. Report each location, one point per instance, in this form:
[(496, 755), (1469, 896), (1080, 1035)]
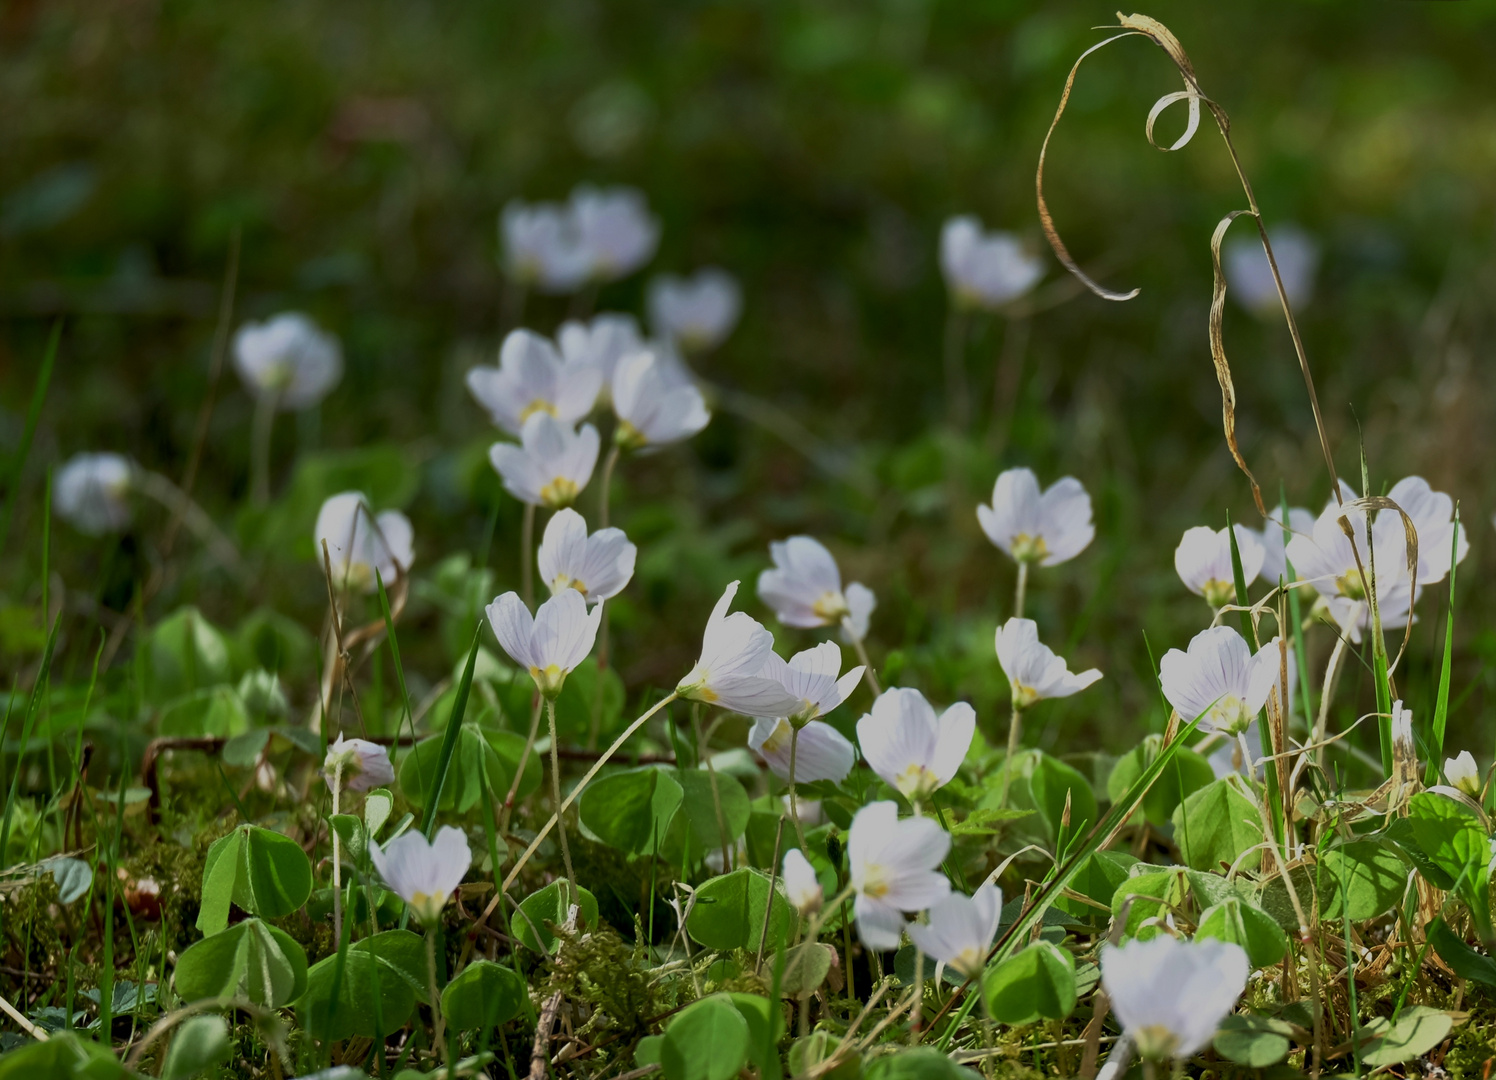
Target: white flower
[(904, 742), (801, 885), (553, 643), (811, 676), (1047, 529), (1034, 672), (360, 542), (542, 246), (804, 588), (551, 465), (985, 270), (696, 312), (616, 229), (1226, 756), (1250, 279), (423, 874), (734, 649), (597, 566), (289, 359), (961, 928), (1274, 543), (1203, 562), (1463, 773), (1172, 995), (809, 810), (1219, 678), (654, 405), (360, 764), (821, 752), (602, 343), (92, 491), (892, 866), (532, 377)]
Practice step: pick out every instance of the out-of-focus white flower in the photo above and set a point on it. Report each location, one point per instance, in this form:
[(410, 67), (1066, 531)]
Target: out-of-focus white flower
[(734, 649), (804, 588), (809, 810), (821, 752), (357, 764), (360, 542), (552, 463), (985, 270), (915, 752), (607, 339), (1203, 562), (287, 358), (1274, 543), (1250, 279), (801, 885), (1462, 772), (553, 643), (698, 312), (860, 605), (892, 866), (653, 406), (1172, 995), (1034, 672), (1219, 678), (811, 676), (542, 247), (532, 377), (961, 928), (597, 566), (1029, 527), (92, 492), (616, 230), (423, 874)]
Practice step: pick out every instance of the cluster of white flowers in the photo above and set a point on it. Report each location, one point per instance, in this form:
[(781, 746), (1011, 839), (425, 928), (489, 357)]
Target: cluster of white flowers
[(598, 235)]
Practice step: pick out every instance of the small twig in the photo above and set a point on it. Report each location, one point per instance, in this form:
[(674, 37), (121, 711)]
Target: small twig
[(539, 1055), (26, 1025)]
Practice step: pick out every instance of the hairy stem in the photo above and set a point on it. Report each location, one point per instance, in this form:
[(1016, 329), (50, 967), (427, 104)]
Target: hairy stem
[(571, 874)]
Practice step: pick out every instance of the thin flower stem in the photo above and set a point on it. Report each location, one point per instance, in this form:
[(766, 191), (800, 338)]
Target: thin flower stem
[(259, 448), (794, 803), (436, 1002), (1326, 694), (1015, 729), (526, 558), (1020, 588), (867, 666), (605, 489), (957, 399), (337, 869), (519, 772), (571, 874)]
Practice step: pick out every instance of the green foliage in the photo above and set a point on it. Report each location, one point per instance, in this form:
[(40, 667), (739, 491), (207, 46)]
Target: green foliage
[(701, 795), (418, 771), (918, 1063), (394, 961), (1243, 924), (483, 995), (629, 810), (809, 1051), (184, 653), (706, 1041), (549, 905), (1254, 1041), (1218, 824), (729, 911), (199, 1043), (250, 960), (1037, 982), (63, 1055), (261, 871), (1359, 880), (760, 1013), (1188, 773), (806, 966), (1148, 895), (1414, 1033), (1454, 850), (1044, 783)]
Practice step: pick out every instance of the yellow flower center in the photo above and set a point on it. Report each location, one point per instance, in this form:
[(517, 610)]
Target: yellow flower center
[(1350, 585), (1155, 1041), (562, 491), (1028, 548), (873, 884), (539, 405), (916, 781), (831, 606), (427, 907), (563, 582), (1219, 593), (628, 437), (1230, 715), (1024, 696), (779, 738), (548, 679)]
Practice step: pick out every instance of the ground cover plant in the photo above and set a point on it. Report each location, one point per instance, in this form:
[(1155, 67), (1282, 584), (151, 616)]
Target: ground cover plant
[(305, 788)]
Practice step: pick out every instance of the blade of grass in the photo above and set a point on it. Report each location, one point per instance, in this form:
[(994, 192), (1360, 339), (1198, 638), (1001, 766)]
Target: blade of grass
[(33, 414), (1441, 703), (449, 740)]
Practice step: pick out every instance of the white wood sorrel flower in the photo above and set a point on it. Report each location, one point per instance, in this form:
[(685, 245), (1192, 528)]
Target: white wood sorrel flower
[(801, 885), (92, 492), (1250, 278), (357, 765), (985, 269), (542, 247), (821, 752), (893, 870), (423, 874), (551, 465), (804, 588), (1034, 672), (961, 928), (734, 649), (604, 341), (1203, 562), (1275, 544), (360, 542), (617, 232), (1172, 995), (1030, 527), (656, 404), (1462, 773), (909, 747), (697, 313), (532, 377), (1219, 678), (288, 359), (550, 645), (597, 566)]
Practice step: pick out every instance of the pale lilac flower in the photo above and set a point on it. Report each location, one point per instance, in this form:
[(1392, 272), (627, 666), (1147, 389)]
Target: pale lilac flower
[(654, 406), (1219, 678), (359, 542), (533, 378), (357, 764), (811, 676), (1274, 543), (734, 649), (551, 465), (805, 590), (985, 270), (698, 312), (821, 752), (616, 230), (288, 359), (1034, 672), (801, 885), (607, 339), (1462, 773), (860, 605), (1172, 995), (915, 752), (1047, 528), (893, 870), (423, 874), (1203, 562), (92, 492), (553, 643), (961, 928), (1250, 279), (597, 566), (542, 246)]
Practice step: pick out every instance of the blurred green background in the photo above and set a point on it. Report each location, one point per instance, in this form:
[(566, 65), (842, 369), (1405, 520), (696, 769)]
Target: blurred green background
[(364, 152)]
